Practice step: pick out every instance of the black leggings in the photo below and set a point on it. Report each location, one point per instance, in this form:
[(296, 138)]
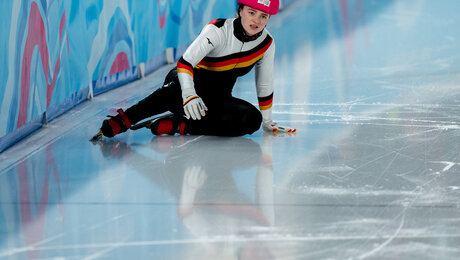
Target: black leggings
[(228, 117)]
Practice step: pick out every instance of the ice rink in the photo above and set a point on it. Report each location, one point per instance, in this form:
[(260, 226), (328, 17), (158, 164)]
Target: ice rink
[(373, 172)]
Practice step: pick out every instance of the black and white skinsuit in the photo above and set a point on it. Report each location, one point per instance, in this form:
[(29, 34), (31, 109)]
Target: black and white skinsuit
[(220, 54)]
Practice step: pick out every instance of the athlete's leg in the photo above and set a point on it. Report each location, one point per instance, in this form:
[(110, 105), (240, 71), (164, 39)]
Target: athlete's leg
[(234, 117), (166, 98)]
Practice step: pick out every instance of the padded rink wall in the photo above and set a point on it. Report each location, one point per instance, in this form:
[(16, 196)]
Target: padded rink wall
[(54, 54)]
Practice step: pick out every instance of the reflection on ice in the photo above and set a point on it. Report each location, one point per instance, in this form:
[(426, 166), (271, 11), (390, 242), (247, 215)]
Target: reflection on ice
[(372, 173), (198, 173)]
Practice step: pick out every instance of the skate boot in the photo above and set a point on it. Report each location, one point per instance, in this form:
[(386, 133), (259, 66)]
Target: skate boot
[(116, 124), (169, 124)]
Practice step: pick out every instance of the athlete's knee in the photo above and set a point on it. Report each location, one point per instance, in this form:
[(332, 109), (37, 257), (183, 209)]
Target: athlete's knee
[(253, 120)]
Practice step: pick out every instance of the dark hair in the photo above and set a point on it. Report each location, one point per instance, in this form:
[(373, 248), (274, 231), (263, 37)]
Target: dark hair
[(240, 7)]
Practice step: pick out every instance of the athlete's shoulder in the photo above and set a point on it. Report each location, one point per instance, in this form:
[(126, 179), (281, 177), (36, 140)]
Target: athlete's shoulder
[(268, 38), (218, 22), (267, 33)]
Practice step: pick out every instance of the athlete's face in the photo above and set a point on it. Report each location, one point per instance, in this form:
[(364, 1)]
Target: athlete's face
[(253, 20)]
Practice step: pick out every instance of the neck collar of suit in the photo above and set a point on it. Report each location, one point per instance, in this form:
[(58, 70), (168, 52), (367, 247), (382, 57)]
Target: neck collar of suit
[(241, 34)]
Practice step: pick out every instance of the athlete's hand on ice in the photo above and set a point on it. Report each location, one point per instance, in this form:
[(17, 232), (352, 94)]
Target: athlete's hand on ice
[(273, 127), (194, 177), (194, 106)]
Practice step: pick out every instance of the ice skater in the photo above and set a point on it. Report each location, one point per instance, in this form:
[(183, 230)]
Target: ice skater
[(198, 91)]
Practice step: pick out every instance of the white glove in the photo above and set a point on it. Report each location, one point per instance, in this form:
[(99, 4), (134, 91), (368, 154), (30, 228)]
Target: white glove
[(194, 106), (273, 127), (194, 177)]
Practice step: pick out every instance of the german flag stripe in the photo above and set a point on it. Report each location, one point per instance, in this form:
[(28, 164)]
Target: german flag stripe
[(256, 54), (235, 56), (190, 99), (242, 62), (213, 67), (213, 21), (248, 62), (265, 107), (208, 64), (218, 22), (266, 102), (180, 70), (229, 64), (184, 67)]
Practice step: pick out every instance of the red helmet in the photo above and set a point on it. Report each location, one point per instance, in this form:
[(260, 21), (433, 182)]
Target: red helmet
[(267, 6)]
